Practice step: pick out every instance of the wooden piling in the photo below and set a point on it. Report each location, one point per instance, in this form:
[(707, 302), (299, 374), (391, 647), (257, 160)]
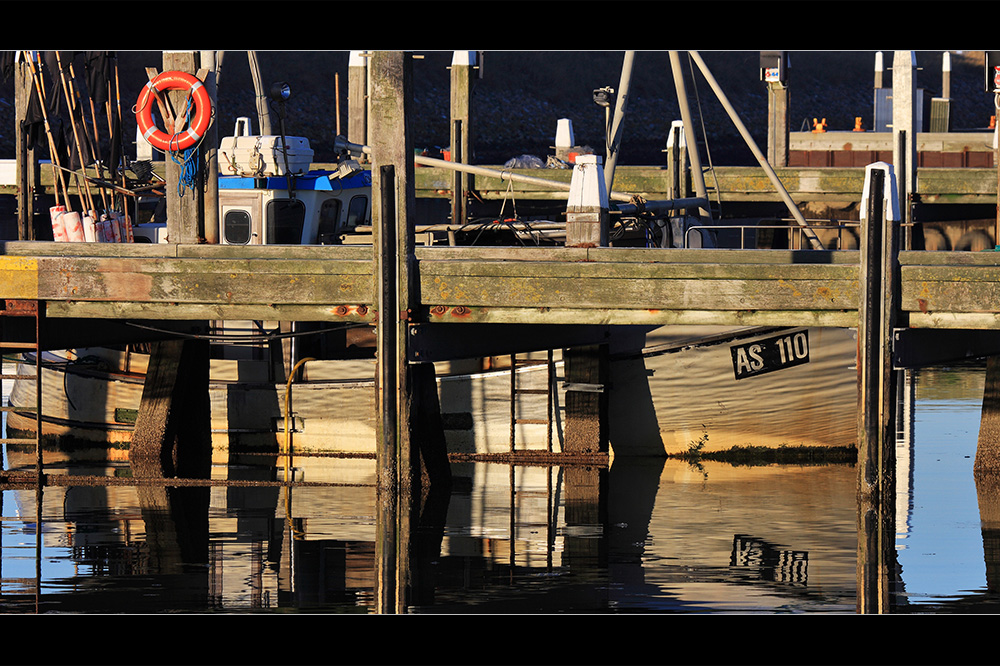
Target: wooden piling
[(210, 201), (877, 381), (172, 435), (777, 109), (184, 206), (904, 131), (403, 447), (357, 98), (586, 421), (27, 162), (462, 68)]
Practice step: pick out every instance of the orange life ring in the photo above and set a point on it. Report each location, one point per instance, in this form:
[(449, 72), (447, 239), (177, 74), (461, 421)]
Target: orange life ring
[(199, 123)]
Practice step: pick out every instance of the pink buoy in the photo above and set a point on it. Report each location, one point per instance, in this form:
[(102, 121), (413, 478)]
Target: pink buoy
[(116, 231), (73, 224), (58, 226), (90, 226), (103, 230)]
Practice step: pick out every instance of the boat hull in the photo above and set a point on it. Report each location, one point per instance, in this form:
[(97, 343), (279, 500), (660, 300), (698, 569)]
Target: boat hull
[(671, 390)]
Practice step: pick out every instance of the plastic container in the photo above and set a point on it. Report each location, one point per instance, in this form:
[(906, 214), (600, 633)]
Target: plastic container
[(260, 156)]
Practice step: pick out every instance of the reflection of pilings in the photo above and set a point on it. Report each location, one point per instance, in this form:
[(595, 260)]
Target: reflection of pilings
[(988, 493), (904, 451)]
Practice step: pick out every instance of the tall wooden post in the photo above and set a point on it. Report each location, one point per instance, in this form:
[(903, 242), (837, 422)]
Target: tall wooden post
[(877, 389), (211, 154), (390, 103), (357, 98), (773, 68), (904, 132), (587, 367), (987, 462), (587, 206), (27, 163), (184, 209), (462, 68)]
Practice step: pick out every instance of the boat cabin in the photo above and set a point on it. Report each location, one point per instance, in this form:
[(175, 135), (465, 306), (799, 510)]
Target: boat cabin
[(320, 208)]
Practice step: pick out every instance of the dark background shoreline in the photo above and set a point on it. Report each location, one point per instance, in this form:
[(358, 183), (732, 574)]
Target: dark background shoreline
[(523, 94)]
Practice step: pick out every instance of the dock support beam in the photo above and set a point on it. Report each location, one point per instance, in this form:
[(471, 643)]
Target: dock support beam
[(172, 435), (410, 456), (877, 390)]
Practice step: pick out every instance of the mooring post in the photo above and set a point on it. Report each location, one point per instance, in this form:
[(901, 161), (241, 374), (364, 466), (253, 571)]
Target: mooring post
[(27, 161), (904, 132), (586, 368), (184, 204), (988, 446), (774, 67), (463, 65), (357, 98), (877, 388), (210, 159), (409, 456)]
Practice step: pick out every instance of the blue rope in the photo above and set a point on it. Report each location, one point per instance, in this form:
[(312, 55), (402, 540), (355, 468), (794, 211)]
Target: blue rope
[(187, 159)]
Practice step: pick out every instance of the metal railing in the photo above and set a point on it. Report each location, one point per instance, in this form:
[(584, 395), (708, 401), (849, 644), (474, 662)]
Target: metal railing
[(797, 236)]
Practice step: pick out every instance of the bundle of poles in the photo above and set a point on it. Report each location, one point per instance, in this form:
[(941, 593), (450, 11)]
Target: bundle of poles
[(103, 218)]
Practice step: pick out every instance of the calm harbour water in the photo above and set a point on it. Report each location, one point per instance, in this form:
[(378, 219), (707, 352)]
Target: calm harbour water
[(663, 536)]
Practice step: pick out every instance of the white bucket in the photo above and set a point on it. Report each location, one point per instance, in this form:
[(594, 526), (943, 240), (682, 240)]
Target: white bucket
[(74, 226), (58, 226)]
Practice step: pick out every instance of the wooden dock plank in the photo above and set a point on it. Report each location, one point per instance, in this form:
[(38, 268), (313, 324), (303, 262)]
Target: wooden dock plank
[(494, 285)]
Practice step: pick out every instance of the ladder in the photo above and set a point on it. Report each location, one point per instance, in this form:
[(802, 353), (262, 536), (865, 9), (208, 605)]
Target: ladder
[(515, 391), (19, 308)]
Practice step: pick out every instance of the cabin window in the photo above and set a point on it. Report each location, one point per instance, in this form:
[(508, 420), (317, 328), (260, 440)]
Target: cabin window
[(329, 216), (357, 211), (236, 227), (285, 218)]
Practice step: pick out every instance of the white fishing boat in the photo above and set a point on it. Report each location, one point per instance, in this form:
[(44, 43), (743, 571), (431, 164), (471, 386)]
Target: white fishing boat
[(687, 389)]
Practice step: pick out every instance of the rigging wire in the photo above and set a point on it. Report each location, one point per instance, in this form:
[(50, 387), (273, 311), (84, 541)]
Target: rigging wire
[(704, 134)]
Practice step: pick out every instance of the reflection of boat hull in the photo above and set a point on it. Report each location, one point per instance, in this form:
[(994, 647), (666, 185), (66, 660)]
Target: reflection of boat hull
[(681, 391)]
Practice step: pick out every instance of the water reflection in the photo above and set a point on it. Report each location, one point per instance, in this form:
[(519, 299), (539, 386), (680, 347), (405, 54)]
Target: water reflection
[(645, 535)]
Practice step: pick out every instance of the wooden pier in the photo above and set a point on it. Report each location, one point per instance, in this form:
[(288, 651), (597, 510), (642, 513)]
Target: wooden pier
[(425, 301)]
